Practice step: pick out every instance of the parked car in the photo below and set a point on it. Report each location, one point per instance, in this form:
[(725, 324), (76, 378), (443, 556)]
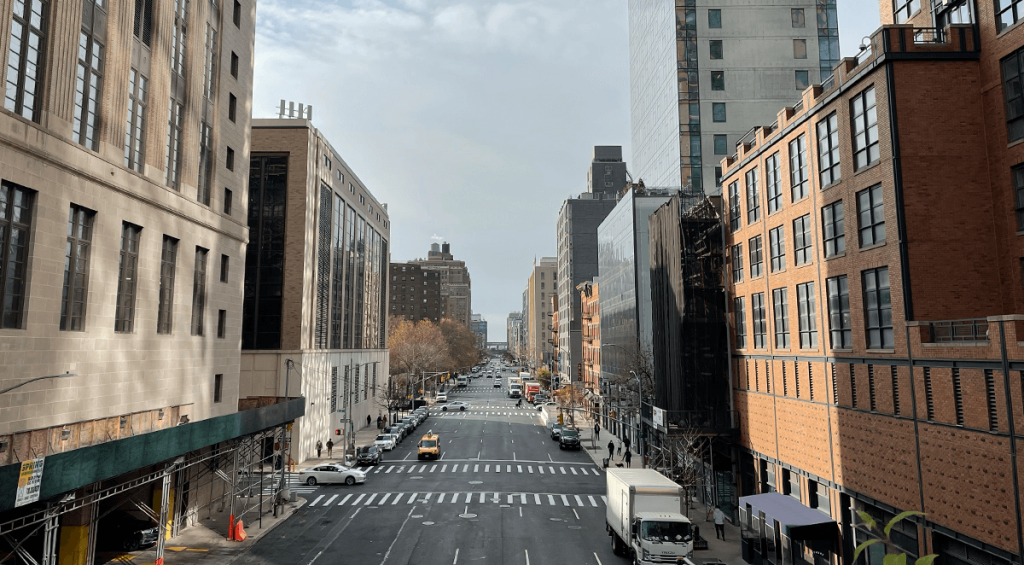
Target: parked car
[(411, 422), (442, 397), (556, 431), (333, 473), (460, 406), (385, 442), (369, 455), (569, 438), (397, 431), (121, 531)]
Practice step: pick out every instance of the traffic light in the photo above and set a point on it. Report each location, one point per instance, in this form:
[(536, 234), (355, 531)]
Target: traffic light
[(337, 432)]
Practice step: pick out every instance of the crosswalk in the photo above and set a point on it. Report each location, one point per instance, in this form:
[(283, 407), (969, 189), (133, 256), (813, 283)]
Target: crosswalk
[(502, 498), (293, 482), (457, 412), (496, 467)]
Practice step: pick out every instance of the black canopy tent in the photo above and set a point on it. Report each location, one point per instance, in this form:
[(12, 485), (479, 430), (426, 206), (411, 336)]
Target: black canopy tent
[(777, 528)]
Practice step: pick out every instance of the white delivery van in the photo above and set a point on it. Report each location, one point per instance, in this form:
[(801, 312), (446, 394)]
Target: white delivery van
[(645, 517)]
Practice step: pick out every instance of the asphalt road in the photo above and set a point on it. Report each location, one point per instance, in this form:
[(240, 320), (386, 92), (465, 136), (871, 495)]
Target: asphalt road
[(501, 493)]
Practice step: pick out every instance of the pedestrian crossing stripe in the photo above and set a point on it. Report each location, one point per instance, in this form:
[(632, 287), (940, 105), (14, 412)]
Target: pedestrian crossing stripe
[(508, 468), (523, 499)]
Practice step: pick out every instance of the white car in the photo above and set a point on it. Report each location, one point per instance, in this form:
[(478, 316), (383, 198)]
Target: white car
[(461, 406), (442, 397), (333, 473), (386, 442)]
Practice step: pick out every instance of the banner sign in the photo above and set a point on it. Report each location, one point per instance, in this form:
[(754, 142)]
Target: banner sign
[(659, 417), (29, 482)]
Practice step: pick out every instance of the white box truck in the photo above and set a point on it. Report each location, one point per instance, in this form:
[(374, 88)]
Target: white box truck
[(645, 517)]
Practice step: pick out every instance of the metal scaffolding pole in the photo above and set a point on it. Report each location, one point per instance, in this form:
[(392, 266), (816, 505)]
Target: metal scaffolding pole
[(164, 499)]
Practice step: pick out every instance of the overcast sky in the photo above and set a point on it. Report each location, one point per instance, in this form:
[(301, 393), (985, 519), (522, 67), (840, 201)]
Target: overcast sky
[(472, 119)]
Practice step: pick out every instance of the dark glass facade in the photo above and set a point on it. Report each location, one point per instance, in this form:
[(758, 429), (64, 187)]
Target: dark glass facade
[(264, 255)]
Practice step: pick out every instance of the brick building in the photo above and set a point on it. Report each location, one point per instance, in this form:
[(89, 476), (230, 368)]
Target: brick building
[(875, 268), (456, 286), (416, 293), (590, 326)]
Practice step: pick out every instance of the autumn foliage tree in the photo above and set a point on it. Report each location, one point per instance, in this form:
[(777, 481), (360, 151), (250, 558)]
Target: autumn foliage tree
[(416, 346), (460, 344)]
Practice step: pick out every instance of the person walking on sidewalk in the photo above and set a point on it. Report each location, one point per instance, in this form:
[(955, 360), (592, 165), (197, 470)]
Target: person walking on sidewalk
[(628, 457), (597, 431), (719, 523), (368, 420), (330, 447), (611, 449), (319, 448), (626, 442)]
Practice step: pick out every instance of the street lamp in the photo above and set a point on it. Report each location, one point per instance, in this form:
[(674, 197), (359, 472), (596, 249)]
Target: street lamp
[(10, 388)]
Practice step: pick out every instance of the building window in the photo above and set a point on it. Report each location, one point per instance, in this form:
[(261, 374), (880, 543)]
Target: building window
[(714, 19), (1013, 90), (224, 262), (234, 64), (807, 324), (819, 497), (803, 80), (895, 390), (802, 240), (715, 48), (718, 112), (760, 327), (236, 14), (756, 256), (76, 269), (791, 482), (179, 37), (839, 312), (799, 48), (205, 163), (871, 215), (218, 388), (26, 58), (210, 63), (835, 236), (877, 308), (781, 311), (828, 150), (718, 177), (753, 198), (739, 311), (958, 397), (718, 80), (127, 278), (865, 129), (773, 185), (797, 14), (88, 88), (143, 27), (798, 168), (229, 161), (222, 323), (165, 309), (929, 398), (721, 144), (199, 291), (990, 398), (737, 263), (734, 202), (904, 9), (135, 132), (15, 227), (227, 201), (777, 248), (232, 106), (172, 162)]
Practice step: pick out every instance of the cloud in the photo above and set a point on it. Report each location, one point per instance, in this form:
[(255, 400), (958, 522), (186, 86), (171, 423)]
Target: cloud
[(436, 237)]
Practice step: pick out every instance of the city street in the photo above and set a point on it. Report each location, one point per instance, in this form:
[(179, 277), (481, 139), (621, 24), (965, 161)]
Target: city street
[(501, 492)]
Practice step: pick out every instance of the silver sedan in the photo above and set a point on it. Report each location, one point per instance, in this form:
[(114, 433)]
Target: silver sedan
[(332, 473)]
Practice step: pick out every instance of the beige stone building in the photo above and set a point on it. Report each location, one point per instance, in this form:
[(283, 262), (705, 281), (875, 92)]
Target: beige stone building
[(455, 282), (315, 284), (542, 285), (124, 151)]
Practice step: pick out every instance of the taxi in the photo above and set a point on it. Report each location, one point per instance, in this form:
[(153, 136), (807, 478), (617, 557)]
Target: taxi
[(429, 446)]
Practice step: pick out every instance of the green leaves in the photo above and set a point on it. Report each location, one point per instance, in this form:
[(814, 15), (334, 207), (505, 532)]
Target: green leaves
[(864, 546), (868, 520), (900, 559), (889, 559), (899, 517), (926, 560)]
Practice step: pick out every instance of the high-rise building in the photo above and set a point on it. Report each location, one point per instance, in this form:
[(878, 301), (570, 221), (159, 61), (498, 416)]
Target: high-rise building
[(515, 334), (416, 293), (577, 248), (701, 77), (875, 289), (590, 352), (478, 325), (541, 285), (122, 235), (316, 273), (455, 282)]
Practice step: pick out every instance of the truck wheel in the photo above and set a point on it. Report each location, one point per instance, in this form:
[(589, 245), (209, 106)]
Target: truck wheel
[(615, 544)]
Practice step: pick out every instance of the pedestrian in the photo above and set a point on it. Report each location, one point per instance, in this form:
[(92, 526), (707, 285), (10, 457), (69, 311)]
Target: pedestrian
[(330, 447), (380, 422), (611, 449), (628, 457), (319, 448), (719, 523), (620, 449), (368, 420), (597, 431), (626, 441)]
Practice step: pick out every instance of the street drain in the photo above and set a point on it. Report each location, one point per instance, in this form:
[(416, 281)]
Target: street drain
[(428, 523)]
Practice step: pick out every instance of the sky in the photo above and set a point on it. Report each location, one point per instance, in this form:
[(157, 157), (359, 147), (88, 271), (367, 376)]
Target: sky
[(472, 119)]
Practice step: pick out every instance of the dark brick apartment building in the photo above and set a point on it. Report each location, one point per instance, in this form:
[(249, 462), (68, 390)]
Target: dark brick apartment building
[(416, 293)]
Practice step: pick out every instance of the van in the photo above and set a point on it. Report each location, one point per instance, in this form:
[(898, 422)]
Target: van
[(429, 446)]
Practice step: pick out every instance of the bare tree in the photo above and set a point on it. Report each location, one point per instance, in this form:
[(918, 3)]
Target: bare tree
[(394, 395), (684, 460)]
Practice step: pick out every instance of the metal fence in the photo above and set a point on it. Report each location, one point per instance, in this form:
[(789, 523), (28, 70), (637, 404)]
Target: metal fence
[(958, 330)]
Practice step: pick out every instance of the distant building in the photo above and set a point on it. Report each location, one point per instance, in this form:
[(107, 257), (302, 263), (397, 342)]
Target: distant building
[(478, 325), (316, 272), (416, 293), (455, 281), (578, 221), (590, 359), (540, 286), (515, 333)]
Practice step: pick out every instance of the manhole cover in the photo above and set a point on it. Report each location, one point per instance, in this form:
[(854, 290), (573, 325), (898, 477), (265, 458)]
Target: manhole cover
[(414, 478), (428, 523), (476, 482), (467, 515)]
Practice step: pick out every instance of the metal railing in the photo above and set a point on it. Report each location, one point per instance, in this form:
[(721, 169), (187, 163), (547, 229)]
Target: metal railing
[(926, 35), (828, 83), (958, 330), (720, 420)]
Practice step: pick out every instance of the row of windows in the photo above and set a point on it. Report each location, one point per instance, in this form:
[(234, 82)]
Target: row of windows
[(16, 203), (876, 301)]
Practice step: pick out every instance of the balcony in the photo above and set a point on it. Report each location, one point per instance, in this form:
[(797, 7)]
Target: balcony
[(947, 331)]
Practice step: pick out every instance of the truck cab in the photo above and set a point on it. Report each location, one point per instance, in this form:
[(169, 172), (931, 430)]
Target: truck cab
[(645, 517), (462, 381)]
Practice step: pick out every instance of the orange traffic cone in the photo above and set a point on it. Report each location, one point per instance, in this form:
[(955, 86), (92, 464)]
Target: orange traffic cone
[(239, 532)]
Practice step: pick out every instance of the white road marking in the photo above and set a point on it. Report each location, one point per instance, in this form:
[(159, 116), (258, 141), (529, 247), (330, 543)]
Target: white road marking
[(356, 501), (469, 496), (551, 500), (487, 468), (397, 535), (598, 559), (432, 468), (527, 552), (440, 499), (604, 499), (398, 496), (369, 501), (519, 468), (495, 499), (476, 468), (508, 468), (574, 512), (520, 511), (342, 501), (330, 500), (412, 498), (465, 468), (456, 556), (428, 495), (443, 468), (423, 468), (565, 501), (318, 500), (573, 469), (384, 498), (522, 498), (406, 457), (391, 468), (562, 469), (497, 468), (510, 498), (529, 468), (536, 498), (455, 468), (550, 459), (552, 469), (592, 501), (541, 469), (578, 500), (481, 498)]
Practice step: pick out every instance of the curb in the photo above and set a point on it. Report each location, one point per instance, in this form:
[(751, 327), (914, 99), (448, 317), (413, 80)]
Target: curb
[(299, 503)]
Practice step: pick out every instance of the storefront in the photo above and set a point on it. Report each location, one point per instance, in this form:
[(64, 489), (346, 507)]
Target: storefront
[(778, 530)]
